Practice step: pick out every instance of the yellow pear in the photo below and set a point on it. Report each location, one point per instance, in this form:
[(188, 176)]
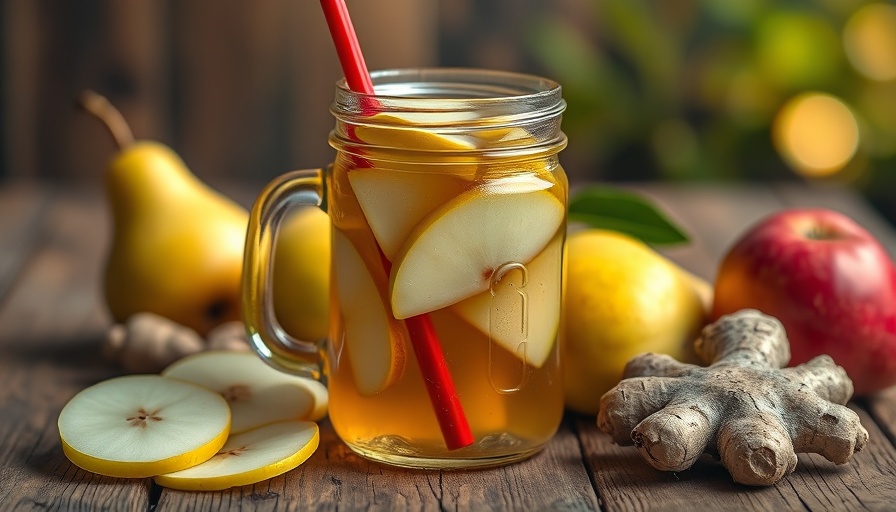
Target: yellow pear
[(302, 275), (177, 244), (623, 298)]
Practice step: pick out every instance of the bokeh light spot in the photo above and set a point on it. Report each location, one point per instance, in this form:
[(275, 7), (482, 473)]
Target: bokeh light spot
[(869, 39), (817, 134)]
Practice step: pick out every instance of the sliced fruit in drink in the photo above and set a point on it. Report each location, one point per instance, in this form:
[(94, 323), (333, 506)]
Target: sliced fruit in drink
[(414, 131), (504, 137), (452, 254), (257, 394), (395, 201), (521, 311), (250, 457), (374, 340), (143, 425)]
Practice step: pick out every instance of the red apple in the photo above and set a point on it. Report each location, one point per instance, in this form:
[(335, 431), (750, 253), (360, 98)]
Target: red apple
[(828, 280)]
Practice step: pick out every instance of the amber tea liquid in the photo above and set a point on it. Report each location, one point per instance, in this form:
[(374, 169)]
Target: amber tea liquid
[(511, 394), (448, 208)]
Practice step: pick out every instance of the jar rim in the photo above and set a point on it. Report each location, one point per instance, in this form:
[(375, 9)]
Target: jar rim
[(525, 84), (451, 89), (459, 103)]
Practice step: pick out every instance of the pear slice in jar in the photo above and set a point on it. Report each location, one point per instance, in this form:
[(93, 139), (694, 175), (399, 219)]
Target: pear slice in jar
[(142, 425), (374, 341), (452, 254), (521, 309), (394, 201), (503, 137), (421, 131), (257, 394), (249, 457)]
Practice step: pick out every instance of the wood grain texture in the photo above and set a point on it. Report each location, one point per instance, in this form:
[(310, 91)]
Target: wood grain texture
[(51, 324), (334, 478), (52, 321), (241, 89), (22, 206)]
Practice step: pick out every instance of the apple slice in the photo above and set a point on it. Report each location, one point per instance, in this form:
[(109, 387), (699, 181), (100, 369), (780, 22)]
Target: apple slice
[(373, 339), (257, 394), (249, 457), (395, 201), (521, 311), (142, 425), (452, 254)]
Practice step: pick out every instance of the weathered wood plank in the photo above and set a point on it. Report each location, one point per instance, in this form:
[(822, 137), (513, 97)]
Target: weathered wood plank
[(239, 88), (882, 407), (57, 50), (714, 216), (51, 325), (392, 34), (334, 478), (22, 205), (626, 482), (865, 483)]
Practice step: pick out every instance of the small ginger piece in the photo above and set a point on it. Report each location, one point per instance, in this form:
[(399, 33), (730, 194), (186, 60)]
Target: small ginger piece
[(229, 336), (744, 407), (147, 343)]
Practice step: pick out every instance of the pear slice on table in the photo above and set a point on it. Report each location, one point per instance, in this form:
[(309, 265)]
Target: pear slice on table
[(249, 457), (395, 201), (374, 340), (521, 311), (257, 394), (142, 425), (452, 254)]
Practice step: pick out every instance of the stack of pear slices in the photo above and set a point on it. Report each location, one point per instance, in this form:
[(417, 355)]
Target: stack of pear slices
[(210, 421)]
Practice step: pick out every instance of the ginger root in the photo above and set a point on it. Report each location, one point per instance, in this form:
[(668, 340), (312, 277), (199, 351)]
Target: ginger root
[(147, 343), (745, 407), (228, 336)]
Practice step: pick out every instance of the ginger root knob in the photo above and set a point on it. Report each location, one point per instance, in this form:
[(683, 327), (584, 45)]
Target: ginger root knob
[(147, 343), (744, 406)]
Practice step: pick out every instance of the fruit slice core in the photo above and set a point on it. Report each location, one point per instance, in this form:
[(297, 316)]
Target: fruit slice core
[(452, 254), (257, 394), (142, 425), (250, 457)]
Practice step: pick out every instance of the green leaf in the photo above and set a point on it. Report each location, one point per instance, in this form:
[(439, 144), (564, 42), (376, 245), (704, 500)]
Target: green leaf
[(625, 212)]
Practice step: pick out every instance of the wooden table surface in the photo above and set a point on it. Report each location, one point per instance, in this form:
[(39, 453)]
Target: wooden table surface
[(52, 242)]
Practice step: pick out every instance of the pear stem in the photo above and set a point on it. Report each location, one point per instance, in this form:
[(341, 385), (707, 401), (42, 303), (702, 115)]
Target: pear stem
[(98, 106)]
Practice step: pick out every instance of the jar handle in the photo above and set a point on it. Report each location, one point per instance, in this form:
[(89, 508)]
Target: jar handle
[(266, 336)]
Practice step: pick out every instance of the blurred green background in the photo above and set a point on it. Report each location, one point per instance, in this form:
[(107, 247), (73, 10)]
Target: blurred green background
[(672, 90), (696, 90)]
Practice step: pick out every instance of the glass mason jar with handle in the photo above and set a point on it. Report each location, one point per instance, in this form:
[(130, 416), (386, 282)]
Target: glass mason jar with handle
[(447, 204)]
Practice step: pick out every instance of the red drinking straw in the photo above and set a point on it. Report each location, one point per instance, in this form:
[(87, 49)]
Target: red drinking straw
[(427, 349)]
